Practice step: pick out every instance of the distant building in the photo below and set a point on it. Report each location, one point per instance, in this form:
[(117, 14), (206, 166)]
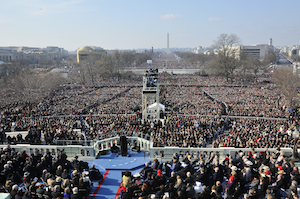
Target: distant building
[(199, 50), (258, 51), (31, 54), (85, 52), (294, 50)]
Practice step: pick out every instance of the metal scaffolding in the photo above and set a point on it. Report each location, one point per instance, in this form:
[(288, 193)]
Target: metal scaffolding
[(150, 96)]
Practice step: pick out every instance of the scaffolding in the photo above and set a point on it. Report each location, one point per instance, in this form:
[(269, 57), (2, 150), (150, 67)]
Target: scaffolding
[(150, 96)]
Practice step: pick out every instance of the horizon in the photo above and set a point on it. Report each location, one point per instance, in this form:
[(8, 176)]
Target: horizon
[(116, 24)]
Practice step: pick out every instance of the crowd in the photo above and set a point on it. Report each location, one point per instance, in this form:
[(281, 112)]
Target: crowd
[(43, 176), (114, 105), (249, 175), (257, 133)]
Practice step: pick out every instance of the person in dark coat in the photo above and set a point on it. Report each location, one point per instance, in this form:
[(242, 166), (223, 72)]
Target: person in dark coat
[(65, 174), (19, 194), (127, 194), (94, 174), (14, 191), (75, 194)]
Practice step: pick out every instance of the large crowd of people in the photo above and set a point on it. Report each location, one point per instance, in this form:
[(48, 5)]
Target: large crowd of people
[(193, 104), (247, 175), (43, 176), (200, 111)]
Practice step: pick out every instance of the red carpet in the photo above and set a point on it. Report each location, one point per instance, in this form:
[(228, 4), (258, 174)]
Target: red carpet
[(99, 185)]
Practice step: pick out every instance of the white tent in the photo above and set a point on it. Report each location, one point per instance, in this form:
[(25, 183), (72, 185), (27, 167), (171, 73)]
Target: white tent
[(154, 107)]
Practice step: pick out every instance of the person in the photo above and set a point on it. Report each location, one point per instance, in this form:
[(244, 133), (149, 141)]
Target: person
[(65, 174), (19, 194), (40, 190), (94, 174), (126, 177), (67, 193), (114, 149), (75, 194), (59, 171), (147, 169), (56, 192), (127, 194), (14, 191)]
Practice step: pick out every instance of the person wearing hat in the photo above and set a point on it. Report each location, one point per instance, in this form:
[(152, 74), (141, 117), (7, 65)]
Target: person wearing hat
[(26, 180), (40, 190), (281, 181), (14, 191)]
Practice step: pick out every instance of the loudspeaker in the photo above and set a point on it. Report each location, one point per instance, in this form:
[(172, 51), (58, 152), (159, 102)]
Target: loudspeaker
[(123, 143)]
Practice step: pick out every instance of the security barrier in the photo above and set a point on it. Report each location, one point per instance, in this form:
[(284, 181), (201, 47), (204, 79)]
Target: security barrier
[(94, 147)]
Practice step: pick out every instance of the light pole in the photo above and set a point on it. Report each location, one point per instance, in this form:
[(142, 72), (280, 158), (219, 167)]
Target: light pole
[(295, 149)]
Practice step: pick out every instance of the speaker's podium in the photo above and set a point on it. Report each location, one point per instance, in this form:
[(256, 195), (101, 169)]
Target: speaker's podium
[(123, 143)]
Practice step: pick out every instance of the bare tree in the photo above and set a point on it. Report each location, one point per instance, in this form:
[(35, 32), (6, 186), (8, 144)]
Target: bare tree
[(225, 62), (127, 58), (255, 64), (196, 59), (89, 69), (288, 82), (244, 62), (107, 66), (296, 58), (270, 58), (29, 86)]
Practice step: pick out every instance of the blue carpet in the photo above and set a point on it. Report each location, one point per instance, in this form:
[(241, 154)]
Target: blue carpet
[(114, 162), (116, 165), (109, 186)]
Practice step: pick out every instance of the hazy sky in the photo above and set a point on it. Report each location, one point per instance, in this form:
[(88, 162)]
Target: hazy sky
[(128, 24)]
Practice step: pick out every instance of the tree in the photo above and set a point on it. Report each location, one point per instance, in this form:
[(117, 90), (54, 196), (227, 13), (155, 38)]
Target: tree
[(196, 59), (255, 64), (89, 69), (127, 58), (28, 86), (225, 62), (288, 82), (107, 66), (244, 62), (296, 58), (270, 58)]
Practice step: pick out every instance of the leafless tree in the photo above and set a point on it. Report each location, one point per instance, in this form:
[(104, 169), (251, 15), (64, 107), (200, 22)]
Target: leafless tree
[(225, 62), (244, 62), (255, 64), (89, 69), (288, 82), (296, 58), (127, 59), (270, 58), (107, 66), (196, 59), (29, 86)]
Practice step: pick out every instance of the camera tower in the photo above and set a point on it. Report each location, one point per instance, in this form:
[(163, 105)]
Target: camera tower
[(150, 96)]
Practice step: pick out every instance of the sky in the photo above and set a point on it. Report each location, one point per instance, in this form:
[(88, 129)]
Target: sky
[(133, 24)]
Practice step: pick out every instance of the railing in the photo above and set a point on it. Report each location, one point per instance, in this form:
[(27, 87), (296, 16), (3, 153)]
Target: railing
[(92, 148), (71, 150), (103, 145)]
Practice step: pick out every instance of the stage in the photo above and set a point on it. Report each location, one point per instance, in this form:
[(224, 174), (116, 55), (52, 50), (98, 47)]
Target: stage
[(111, 166)]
